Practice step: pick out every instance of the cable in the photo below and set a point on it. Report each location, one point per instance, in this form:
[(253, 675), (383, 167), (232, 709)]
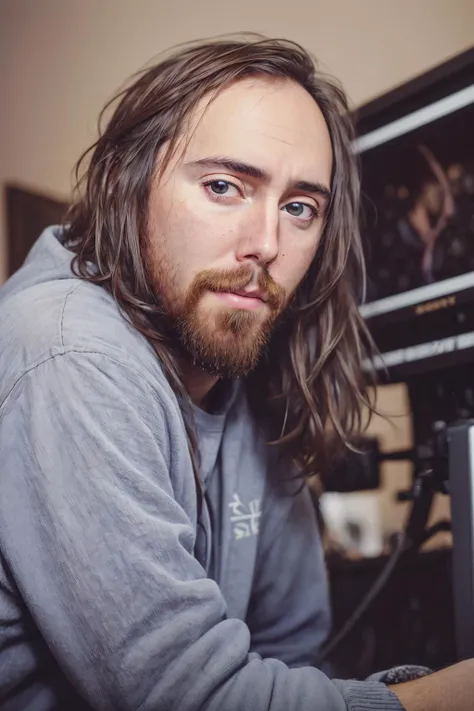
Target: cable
[(367, 600)]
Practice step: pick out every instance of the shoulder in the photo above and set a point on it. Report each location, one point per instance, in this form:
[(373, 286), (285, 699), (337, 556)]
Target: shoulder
[(72, 321)]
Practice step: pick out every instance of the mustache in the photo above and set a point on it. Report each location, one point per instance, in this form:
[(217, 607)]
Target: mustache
[(233, 279)]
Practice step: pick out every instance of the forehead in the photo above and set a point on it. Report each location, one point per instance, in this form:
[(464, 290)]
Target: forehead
[(273, 124)]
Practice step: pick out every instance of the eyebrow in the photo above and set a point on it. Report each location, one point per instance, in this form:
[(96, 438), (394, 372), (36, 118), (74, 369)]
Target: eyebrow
[(252, 171)]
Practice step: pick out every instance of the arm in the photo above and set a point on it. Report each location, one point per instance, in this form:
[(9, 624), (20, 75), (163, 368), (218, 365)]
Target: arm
[(451, 689), (289, 614), (103, 555)]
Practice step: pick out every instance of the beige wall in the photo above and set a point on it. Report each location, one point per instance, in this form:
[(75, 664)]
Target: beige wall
[(61, 59)]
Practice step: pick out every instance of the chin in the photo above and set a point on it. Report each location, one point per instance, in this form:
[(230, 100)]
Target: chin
[(224, 353), (226, 342)]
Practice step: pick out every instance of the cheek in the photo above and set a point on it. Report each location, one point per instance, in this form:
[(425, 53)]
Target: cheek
[(199, 228), (191, 241), (180, 235), (293, 264)]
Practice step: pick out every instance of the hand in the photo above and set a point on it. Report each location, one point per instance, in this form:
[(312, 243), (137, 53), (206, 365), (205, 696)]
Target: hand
[(451, 689)]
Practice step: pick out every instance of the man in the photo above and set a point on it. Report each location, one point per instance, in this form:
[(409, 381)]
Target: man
[(157, 552)]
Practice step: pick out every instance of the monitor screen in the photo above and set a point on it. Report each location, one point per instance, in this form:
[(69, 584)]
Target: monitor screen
[(418, 198), (417, 221)]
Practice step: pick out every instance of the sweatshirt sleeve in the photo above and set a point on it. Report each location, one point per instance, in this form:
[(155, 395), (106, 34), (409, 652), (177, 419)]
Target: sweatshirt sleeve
[(289, 615), (102, 554)]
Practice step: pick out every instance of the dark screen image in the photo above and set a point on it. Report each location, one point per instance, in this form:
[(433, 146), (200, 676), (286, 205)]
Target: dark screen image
[(418, 206)]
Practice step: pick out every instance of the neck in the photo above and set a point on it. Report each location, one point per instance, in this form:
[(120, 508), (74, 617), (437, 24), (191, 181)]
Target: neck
[(198, 383)]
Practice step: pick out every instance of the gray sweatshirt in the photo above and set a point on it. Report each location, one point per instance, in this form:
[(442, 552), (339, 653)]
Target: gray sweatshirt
[(113, 595)]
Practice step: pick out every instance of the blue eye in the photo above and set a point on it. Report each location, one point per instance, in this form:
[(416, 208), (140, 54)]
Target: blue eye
[(219, 187), (297, 209)]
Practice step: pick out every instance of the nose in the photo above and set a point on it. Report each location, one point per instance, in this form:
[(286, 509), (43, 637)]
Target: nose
[(260, 240)]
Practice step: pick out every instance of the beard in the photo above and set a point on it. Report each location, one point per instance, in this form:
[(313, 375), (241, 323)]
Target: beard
[(223, 341)]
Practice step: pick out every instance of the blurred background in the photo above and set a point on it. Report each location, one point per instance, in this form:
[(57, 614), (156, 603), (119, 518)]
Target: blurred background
[(60, 60)]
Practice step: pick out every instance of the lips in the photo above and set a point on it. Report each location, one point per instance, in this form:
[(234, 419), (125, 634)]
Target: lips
[(250, 293), (248, 301)]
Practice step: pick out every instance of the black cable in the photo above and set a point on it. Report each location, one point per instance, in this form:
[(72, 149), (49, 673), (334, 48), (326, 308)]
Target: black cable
[(367, 600)]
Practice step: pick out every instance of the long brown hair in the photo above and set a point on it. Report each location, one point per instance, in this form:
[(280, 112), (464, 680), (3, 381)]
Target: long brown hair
[(309, 386)]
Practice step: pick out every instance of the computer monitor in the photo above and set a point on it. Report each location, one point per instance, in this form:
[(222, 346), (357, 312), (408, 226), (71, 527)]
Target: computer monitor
[(416, 148)]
